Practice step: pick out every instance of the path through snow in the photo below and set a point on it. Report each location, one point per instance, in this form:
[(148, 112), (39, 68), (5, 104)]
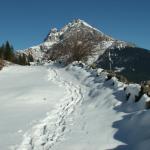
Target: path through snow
[(90, 113), (26, 96), (51, 129), (77, 123)]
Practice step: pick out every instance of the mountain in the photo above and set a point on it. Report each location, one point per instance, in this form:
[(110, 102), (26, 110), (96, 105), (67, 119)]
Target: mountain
[(80, 41), (79, 29), (132, 62)]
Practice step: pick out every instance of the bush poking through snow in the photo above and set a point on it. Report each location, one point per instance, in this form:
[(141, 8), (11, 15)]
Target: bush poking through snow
[(93, 66), (110, 75), (99, 71), (128, 96), (136, 91), (121, 78), (146, 87), (137, 98), (118, 76), (81, 64), (132, 92), (147, 104), (125, 88)]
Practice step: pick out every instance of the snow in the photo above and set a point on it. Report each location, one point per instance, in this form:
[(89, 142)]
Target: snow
[(26, 96), (78, 23), (99, 50), (38, 51), (84, 111), (99, 71), (119, 69), (133, 90), (86, 24)]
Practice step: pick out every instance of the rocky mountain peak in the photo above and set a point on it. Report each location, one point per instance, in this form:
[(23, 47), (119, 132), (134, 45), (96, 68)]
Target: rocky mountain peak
[(73, 27), (77, 31)]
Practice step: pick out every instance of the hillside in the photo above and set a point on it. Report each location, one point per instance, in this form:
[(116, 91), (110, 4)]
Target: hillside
[(79, 41), (132, 62), (53, 107)]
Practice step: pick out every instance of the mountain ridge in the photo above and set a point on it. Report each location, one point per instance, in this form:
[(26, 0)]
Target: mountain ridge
[(79, 41), (55, 36)]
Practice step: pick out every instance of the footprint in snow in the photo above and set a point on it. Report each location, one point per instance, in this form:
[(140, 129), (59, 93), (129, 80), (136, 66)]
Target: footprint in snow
[(19, 131), (44, 99)]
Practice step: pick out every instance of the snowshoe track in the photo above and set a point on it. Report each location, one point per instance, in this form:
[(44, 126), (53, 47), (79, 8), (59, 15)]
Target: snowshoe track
[(50, 130)]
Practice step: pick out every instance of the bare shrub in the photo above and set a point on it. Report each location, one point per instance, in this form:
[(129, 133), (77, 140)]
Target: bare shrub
[(145, 86), (75, 48)]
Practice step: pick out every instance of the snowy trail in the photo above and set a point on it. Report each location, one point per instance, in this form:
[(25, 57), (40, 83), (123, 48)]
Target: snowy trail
[(92, 128), (44, 135), (26, 96), (85, 112), (82, 119)]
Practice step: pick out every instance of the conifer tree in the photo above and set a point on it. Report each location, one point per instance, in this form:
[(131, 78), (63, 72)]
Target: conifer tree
[(1, 52), (30, 58), (8, 52), (2, 48)]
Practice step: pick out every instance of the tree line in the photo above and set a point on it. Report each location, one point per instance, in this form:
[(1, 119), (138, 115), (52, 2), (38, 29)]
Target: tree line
[(7, 53)]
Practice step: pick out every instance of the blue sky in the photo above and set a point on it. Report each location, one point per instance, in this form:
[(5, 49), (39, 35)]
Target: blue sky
[(26, 22)]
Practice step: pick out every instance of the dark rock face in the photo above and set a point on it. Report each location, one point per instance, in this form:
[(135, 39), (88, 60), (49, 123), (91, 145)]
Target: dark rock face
[(134, 60)]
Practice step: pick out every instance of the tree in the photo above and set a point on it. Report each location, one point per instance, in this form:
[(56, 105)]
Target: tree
[(1, 63), (8, 52), (30, 58), (75, 48), (2, 48), (1, 52), (21, 59), (24, 59)]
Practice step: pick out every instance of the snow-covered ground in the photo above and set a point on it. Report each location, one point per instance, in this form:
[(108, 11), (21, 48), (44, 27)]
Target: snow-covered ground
[(85, 111), (26, 95)]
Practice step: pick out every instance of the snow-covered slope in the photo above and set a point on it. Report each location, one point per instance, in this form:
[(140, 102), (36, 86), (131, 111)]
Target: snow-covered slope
[(26, 95), (78, 24), (90, 113), (38, 51)]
